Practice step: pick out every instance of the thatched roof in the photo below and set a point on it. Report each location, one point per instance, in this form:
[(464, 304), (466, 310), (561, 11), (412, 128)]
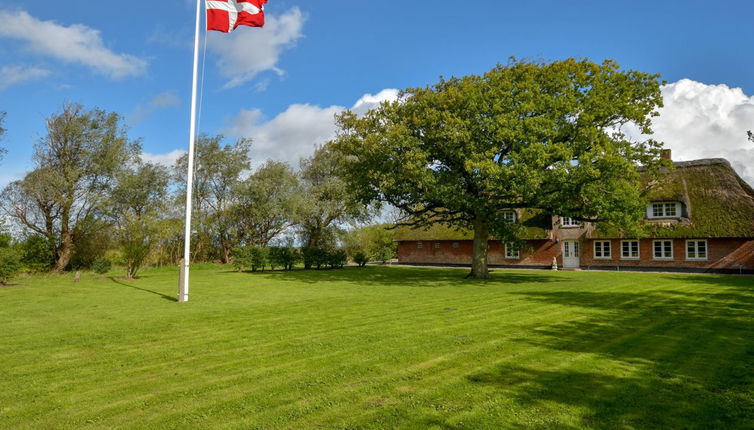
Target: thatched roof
[(717, 203)]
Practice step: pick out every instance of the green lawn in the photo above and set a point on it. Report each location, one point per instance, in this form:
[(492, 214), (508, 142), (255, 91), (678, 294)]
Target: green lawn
[(378, 348)]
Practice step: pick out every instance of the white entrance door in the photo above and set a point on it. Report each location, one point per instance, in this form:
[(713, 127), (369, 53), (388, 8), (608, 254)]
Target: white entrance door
[(571, 254)]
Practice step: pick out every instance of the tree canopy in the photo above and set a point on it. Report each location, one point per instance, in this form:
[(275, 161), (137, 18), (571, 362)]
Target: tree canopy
[(76, 167), (526, 134)]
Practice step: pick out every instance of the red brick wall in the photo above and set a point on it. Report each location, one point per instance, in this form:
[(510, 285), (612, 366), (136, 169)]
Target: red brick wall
[(541, 253), (721, 254)]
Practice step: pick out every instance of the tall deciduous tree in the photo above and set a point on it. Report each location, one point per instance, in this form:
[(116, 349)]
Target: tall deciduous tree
[(267, 203), (523, 135), (76, 165), (327, 201), (138, 201), (218, 170)]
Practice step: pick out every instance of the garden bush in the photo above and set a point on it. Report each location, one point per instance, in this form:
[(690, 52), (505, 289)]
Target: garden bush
[(10, 264)]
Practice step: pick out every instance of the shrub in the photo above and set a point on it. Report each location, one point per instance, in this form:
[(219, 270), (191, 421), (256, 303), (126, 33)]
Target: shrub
[(102, 266), (314, 257), (10, 264), (360, 258), (35, 254), (240, 256), (258, 258), (336, 258), (284, 257)]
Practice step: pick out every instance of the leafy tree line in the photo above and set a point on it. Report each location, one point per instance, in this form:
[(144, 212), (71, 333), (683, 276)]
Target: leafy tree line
[(91, 200)]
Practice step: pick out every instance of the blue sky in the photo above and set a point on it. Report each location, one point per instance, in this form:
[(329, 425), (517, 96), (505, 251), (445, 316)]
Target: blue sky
[(281, 85)]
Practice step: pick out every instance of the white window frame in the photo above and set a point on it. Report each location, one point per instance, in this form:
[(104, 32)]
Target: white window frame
[(512, 215), (663, 257), (630, 257), (437, 245), (603, 255), (664, 209), (696, 243), (419, 245), (569, 222), (509, 254)]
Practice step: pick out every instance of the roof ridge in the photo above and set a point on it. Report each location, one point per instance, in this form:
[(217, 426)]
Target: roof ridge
[(702, 162)]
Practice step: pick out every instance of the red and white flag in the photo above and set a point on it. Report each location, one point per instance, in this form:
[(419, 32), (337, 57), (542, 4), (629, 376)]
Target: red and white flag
[(226, 15)]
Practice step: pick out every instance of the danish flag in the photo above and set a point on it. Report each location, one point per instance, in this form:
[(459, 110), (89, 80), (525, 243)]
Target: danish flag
[(226, 15)]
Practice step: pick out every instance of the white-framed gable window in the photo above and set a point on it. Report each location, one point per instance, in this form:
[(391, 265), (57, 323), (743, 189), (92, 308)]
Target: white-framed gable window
[(662, 249), (664, 210), (569, 222), (629, 249), (696, 249), (512, 251), (509, 217), (419, 244), (602, 249)]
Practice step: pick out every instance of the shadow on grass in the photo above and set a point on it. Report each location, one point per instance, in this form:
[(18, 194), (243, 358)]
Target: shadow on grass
[(405, 277), (164, 296), (661, 359)]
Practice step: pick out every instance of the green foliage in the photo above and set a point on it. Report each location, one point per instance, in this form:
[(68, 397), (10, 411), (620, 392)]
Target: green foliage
[(324, 257), (336, 258), (327, 201), (284, 256), (217, 172), (138, 201), (76, 166), (102, 266), (361, 258), (36, 255), (10, 264), (267, 203), (524, 135), (258, 258), (313, 257), (376, 242), (240, 255)]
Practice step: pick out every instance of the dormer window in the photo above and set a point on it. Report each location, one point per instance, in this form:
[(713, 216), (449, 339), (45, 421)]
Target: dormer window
[(664, 210), (509, 217), (568, 222)]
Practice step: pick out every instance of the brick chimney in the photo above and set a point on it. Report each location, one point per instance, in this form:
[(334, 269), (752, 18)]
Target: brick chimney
[(666, 154)]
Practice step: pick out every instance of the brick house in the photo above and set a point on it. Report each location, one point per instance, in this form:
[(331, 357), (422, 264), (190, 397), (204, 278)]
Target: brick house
[(700, 218)]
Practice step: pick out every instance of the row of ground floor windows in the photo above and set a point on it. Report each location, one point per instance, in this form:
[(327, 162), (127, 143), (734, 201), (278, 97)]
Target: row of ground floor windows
[(629, 249), (661, 249)]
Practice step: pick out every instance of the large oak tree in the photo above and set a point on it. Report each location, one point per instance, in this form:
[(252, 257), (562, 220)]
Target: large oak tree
[(530, 135)]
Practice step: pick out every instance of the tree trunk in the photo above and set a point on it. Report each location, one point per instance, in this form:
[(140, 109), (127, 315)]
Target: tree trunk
[(64, 254), (479, 253)]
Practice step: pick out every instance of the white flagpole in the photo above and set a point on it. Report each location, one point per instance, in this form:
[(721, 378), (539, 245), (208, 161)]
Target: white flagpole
[(183, 291)]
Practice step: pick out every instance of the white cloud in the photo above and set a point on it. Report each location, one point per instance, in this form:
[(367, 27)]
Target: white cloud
[(707, 121), (369, 101), (167, 160), (11, 75), (295, 133), (73, 44), (246, 52)]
